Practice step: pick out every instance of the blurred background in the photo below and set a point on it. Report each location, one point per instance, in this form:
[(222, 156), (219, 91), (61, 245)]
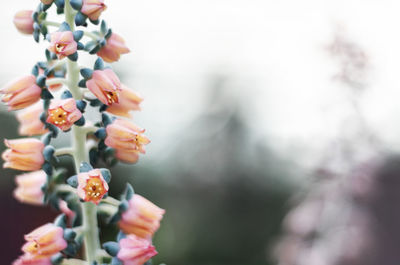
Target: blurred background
[(274, 128)]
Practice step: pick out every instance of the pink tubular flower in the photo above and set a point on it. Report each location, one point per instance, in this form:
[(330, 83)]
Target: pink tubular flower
[(47, 2), (92, 186), (23, 21), (135, 250), (21, 93), (23, 154), (142, 217), (93, 8), (62, 43), (29, 120), (113, 49), (127, 139), (44, 241), (31, 260), (105, 85), (67, 211), (29, 187), (63, 113), (129, 100)]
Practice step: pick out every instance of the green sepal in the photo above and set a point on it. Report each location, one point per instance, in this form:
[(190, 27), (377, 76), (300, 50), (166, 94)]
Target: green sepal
[(57, 259), (82, 83), (80, 122), (86, 73), (78, 34), (73, 57), (80, 19), (129, 192), (85, 167), (73, 181), (48, 153), (106, 174), (61, 221), (76, 4), (99, 64), (112, 248), (64, 27), (45, 94), (103, 27)]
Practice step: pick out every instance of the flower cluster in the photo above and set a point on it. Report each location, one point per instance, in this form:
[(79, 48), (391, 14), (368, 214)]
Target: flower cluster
[(53, 99)]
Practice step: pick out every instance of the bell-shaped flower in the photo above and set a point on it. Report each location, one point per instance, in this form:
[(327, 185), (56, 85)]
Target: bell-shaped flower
[(23, 154), (31, 260), (135, 250), (62, 43), (92, 186), (63, 113), (93, 8), (21, 93), (29, 187), (127, 139), (105, 85), (128, 101), (45, 241), (23, 21), (142, 217), (115, 46), (29, 121)]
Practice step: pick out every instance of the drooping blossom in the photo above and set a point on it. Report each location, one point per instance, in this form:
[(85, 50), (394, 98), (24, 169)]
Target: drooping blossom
[(63, 113), (92, 186), (142, 217), (127, 139), (23, 154), (67, 211), (44, 241), (21, 93), (23, 21), (128, 101), (93, 8), (62, 43), (31, 260), (105, 85), (115, 46), (29, 121), (135, 250), (47, 2), (29, 187)]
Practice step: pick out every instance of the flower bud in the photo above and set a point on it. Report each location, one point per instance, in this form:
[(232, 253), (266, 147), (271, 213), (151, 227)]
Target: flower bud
[(29, 121), (21, 93), (23, 21), (135, 250), (62, 43), (23, 154), (142, 217), (93, 8), (92, 186), (45, 241), (128, 100), (63, 113), (115, 46), (29, 187), (105, 85), (31, 260), (127, 139)]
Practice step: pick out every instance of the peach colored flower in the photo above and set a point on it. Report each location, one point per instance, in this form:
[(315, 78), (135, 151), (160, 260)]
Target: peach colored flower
[(23, 154), (105, 85), (47, 2), (135, 250), (63, 113), (93, 8), (67, 211), (44, 241), (23, 21), (29, 121), (29, 187), (21, 93), (113, 49), (127, 139), (62, 43), (128, 100), (92, 186), (31, 260), (142, 217)]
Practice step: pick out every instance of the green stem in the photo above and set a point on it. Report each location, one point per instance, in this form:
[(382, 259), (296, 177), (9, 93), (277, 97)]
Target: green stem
[(56, 81), (89, 209), (50, 23), (91, 35)]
